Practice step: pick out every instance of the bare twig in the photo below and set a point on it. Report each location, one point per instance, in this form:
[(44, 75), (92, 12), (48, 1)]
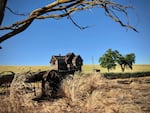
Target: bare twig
[(77, 25), (13, 12)]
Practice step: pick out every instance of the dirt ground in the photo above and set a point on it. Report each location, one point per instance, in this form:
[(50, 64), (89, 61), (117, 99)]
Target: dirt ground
[(89, 93)]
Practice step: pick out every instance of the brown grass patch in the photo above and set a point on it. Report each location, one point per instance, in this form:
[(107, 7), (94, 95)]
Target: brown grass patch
[(89, 93)]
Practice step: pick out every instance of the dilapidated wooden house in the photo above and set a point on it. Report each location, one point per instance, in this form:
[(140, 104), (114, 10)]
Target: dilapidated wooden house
[(69, 62), (77, 62), (58, 63)]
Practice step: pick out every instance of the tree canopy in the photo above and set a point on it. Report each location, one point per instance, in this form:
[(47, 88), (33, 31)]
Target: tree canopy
[(64, 8), (111, 58), (108, 60)]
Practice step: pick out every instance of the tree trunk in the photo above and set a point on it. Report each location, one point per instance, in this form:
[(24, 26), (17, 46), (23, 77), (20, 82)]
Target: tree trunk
[(122, 68), (2, 9), (108, 69)]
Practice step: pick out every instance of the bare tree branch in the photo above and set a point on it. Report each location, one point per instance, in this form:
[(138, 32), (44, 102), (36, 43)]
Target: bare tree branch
[(116, 19), (63, 8), (2, 9)]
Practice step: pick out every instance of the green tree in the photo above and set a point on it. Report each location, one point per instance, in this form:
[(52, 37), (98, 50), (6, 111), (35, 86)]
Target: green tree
[(108, 60), (122, 62), (125, 61), (111, 58), (130, 60)]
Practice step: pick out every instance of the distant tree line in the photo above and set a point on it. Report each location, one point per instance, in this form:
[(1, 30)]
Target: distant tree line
[(111, 58)]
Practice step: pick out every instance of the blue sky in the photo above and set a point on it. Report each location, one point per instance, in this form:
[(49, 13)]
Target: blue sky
[(45, 38)]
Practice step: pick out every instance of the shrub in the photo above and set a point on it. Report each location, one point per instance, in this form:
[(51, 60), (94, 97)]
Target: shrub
[(125, 75)]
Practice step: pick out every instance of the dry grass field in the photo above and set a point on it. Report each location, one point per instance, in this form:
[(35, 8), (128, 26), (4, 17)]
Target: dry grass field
[(20, 69), (85, 68), (136, 68), (89, 93)]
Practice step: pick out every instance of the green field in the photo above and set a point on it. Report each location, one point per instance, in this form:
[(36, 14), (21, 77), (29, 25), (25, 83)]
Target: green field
[(85, 68)]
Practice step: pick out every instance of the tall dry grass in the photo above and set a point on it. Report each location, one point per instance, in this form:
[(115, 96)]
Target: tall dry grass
[(89, 93), (85, 68), (79, 87)]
